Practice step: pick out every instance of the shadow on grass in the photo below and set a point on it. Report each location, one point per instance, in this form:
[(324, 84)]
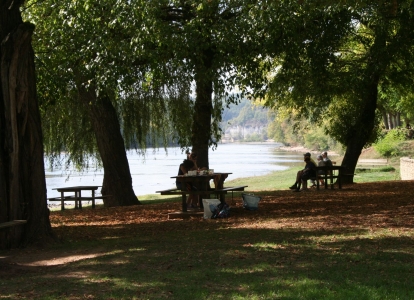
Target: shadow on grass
[(355, 243), (226, 264)]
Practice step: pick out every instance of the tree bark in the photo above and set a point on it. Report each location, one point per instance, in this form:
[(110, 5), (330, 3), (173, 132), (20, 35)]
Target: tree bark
[(117, 182), (360, 136), (385, 119), (391, 120), (201, 130), (398, 119), (22, 175), (362, 130), (202, 123)]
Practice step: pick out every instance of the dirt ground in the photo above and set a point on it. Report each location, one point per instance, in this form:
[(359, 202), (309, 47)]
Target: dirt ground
[(370, 206)]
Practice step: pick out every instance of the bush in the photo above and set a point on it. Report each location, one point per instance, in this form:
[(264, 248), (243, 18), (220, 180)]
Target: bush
[(388, 145)]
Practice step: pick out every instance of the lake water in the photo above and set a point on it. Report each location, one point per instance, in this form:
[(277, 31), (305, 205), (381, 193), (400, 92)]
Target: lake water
[(152, 172)]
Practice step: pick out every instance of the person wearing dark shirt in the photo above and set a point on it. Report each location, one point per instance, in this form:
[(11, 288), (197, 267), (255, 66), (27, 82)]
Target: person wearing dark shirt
[(304, 175), (187, 165)]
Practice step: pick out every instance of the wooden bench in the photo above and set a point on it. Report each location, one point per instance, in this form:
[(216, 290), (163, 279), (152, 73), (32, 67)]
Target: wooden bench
[(329, 173), (12, 223), (184, 193), (175, 191), (73, 198), (8, 225), (229, 189)]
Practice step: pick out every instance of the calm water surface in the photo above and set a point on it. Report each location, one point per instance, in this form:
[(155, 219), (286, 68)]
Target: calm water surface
[(152, 172)]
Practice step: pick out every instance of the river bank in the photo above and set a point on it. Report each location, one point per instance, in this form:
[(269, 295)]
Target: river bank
[(303, 150)]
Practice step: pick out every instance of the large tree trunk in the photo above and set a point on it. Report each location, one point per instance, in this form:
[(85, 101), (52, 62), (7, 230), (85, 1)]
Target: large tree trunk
[(117, 180), (201, 131), (361, 132), (22, 175)]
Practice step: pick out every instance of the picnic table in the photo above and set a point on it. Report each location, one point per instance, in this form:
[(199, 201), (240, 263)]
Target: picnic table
[(77, 196), (202, 182)]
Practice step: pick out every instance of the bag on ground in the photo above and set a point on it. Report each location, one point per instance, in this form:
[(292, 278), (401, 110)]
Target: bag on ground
[(210, 206), (250, 201), (222, 210)]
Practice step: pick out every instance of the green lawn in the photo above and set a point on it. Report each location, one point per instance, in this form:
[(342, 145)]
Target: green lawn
[(281, 180), (355, 243)]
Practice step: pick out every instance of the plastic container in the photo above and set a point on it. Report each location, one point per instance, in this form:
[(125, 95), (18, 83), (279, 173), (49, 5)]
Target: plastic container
[(208, 203), (250, 201)]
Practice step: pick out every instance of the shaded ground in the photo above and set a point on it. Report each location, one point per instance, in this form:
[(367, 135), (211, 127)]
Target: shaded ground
[(368, 206)]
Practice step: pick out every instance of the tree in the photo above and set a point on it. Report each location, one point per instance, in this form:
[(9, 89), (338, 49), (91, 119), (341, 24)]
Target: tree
[(22, 176), (210, 40), (81, 35), (106, 85), (331, 60)]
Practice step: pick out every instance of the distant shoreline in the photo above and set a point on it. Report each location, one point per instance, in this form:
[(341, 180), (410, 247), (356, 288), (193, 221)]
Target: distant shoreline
[(282, 147), (304, 150)]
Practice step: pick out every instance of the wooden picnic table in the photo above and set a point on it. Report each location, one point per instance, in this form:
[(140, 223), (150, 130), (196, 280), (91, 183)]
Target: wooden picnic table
[(77, 197), (202, 183)]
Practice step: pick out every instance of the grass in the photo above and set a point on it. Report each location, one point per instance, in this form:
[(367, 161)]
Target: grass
[(253, 264), (281, 180), (356, 243), (353, 244)]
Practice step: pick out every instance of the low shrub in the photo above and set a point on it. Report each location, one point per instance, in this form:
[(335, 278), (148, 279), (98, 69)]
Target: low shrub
[(388, 146)]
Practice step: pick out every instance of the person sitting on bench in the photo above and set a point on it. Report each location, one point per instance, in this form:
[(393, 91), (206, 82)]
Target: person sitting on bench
[(321, 163), (304, 175), (326, 159)]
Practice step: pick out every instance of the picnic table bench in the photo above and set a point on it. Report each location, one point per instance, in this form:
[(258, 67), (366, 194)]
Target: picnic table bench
[(12, 223), (331, 173), (8, 225), (184, 193), (76, 200)]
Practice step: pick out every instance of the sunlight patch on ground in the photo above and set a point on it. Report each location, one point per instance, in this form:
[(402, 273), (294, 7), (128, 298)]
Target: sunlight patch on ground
[(54, 261)]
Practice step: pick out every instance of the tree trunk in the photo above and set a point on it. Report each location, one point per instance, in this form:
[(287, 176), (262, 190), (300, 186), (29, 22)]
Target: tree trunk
[(398, 119), (117, 180), (201, 131), (361, 132), (391, 120), (385, 119), (22, 175), (202, 122)]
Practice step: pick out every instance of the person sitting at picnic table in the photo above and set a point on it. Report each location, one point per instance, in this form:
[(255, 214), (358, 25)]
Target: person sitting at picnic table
[(188, 153), (218, 178), (193, 158), (303, 175), (187, 165)]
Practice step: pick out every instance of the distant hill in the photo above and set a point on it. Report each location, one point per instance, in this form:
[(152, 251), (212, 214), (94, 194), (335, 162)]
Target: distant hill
[(245, 122)]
